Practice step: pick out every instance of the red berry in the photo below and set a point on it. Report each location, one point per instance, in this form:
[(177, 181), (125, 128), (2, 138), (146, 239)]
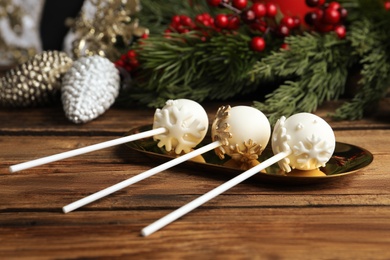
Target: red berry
[(320, 14), (207, 16), (134, 63), (175, 20), (120, 63), (259, 9), (297, 21), (221, 21), (131, 54), (240, 4), (341, 31), (214, 2), (311, 18), (283, 30), (331, 16), (185, 20), (334, 5), (234, 23), (272, 10), (343, 13), (248, 16), (257, 43), (387, 5), (199, 18), (288, 21), (285, 46)]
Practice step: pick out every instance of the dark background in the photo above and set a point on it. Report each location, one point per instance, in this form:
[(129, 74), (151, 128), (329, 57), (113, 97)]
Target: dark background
[(52, 26)]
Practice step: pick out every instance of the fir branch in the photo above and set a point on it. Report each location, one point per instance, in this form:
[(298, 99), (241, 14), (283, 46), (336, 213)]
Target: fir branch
[(374, 50), (156, 14), (320, 65), (186, 66)]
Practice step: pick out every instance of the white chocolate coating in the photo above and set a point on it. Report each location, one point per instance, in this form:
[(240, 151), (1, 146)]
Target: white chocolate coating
[(242, 128), (309, 138), (186, 122)]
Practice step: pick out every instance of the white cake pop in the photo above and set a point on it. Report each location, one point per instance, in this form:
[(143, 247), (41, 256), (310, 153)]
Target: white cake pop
[(186, 122), (308, 138), (244, 133)]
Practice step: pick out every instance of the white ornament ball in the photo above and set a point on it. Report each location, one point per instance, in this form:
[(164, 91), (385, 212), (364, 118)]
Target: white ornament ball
[(239, 126), (309, 138), (186, 122)]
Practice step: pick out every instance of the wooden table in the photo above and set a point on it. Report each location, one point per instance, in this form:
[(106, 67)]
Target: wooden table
[(348, 218)]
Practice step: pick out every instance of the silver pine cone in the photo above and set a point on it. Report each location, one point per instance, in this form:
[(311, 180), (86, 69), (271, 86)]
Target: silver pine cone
[(89, 88), (36, 82)]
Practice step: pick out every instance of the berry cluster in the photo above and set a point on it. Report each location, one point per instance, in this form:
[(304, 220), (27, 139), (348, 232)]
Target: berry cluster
[(128, 61), (257, 16), (327, 17), (260, 17)]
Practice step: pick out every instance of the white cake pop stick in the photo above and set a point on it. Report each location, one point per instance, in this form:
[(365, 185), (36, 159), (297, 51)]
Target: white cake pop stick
[(84, 150), (226, 118), (100, 194), (192, 116), (303, 141)]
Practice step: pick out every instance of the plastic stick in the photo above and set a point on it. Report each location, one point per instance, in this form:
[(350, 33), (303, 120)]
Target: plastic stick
[(139, 177), (87, 149), (210, 195)]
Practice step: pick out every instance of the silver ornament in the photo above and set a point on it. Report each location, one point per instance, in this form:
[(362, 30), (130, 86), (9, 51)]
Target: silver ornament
[(89, 88)]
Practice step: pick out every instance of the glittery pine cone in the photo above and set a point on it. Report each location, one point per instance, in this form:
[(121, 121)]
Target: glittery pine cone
[(36, 82), (89, 88)]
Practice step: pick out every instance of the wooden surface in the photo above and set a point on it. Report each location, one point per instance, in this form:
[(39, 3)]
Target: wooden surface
[(348, 218)]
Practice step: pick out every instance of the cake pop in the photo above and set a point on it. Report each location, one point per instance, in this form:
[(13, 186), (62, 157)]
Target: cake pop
[(182, 121), (308, 139), (303, 141)]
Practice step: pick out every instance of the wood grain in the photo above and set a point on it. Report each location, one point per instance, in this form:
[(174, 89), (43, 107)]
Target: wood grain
[(348, 218)]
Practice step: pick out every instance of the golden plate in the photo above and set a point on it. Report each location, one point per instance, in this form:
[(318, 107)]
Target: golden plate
[(346, 160)]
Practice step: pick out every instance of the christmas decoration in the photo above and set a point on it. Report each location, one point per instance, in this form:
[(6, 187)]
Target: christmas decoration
[(36, 82), (19, 30), (89, 88), (293, 62), (103, 26), (291, 56)]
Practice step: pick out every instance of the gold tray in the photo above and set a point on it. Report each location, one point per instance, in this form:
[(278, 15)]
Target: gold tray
[(346, 160)]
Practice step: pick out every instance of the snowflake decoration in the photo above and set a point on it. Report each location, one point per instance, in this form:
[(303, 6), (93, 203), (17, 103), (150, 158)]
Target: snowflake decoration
[(183, 130), (313, 152), (220, 130), (280, 144), (245, 157)]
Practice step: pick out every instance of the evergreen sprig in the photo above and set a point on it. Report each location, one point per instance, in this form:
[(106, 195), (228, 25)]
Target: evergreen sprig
[(370, 40), (187, 66), (315, 68)]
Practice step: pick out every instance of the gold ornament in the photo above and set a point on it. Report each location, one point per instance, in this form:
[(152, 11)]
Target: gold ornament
[(222, 130), (35, 82), (13, 15), (99, 36), (247, 158)]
